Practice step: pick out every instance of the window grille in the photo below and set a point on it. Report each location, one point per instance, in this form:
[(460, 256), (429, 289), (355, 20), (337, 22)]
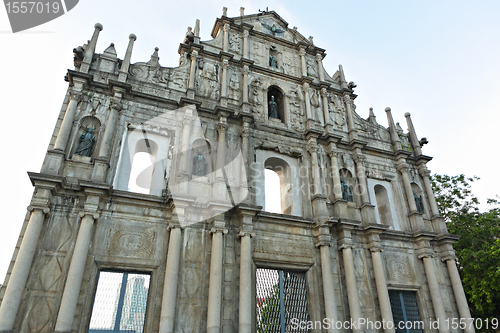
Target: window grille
[(281, 297), (120, 303), (405, 311)]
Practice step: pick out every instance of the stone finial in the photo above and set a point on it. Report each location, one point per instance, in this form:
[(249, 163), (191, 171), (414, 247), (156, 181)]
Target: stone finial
[(133, 37), (224, 11), (387, 109), (197, 28), (242, 11), (372, 117), (98, 26), (311, 40)]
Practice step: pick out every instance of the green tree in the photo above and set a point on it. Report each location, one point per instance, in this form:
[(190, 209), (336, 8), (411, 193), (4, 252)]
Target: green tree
[(478, 249)]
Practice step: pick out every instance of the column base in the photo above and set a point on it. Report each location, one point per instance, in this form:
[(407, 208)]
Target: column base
[(53, 162), (246, 108), (416, 221), (223, 101), (190, 93), (329, 128), (368, 214), (320, 212), (340, 208), (438, 224), (353, 135), (100, 170)]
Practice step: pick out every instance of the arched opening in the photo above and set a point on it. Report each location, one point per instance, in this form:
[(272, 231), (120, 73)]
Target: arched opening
[(275, 103), (383, 205), (142, 174), (278, 190)]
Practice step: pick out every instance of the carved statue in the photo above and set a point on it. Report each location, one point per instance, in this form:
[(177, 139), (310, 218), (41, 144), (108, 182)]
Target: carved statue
[(346, 191), (189, 36), (419, 203), (199, 164), (86, 144), (273, 109), (273, 62)]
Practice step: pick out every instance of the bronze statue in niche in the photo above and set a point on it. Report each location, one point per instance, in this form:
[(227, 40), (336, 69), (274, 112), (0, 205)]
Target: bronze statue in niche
[(273, 109), (86, 144)]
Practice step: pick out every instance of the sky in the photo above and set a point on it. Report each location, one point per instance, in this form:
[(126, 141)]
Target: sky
[(437, 60)]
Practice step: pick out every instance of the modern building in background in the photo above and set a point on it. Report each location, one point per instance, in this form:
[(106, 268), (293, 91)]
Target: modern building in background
[(358, 236)]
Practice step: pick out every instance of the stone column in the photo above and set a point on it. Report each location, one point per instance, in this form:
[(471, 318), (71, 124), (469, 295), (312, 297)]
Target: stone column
[(307, 101), (363, 188), (435, 291), (192, 72), (350, 119), (312, 148), (64, 131), (319, 58), (326, 111), (382, 291), (89, 53), (458, 291), (122, 76), (413, 135), (215, 282), (186, 134), (337, 186), (396, 141), (220, 186), (246, 49), (425, 173), (223, 88), (73, 284), (225, 43), (246, 70), (107, 138), (352, 288), (168, 302), (21, 269), (245, 305), (323, 241), (403, 168), (302, 53)]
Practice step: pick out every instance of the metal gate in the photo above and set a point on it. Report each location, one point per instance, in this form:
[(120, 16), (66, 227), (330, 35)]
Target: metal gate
[(281, 298)]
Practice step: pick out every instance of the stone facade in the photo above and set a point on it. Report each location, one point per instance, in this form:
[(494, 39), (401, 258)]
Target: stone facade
[(358, 213)]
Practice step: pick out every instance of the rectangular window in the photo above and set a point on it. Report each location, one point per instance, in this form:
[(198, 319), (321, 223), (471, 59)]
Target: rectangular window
[(405, 311), (281, 298), (120, 303)]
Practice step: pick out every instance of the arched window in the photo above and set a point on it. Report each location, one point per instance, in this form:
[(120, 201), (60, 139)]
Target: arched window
[(275, 103), (142, 173), (274, 189), (383, 205)]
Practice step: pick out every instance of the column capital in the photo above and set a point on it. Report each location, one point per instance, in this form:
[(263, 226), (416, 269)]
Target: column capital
[(302, 51), (323, 240), (227, 26), (346, 246), (75, 95), (225, 63), (358, 158), (222, 125), (423, 171), (425, 253), (403, 167), (44, 209), (194, 54), (319, 57), (306, 85), (244, 233), (94, 215), (324, 92), (246, 69), (376, 248), (347, 98), (116, 105), (312, 147), (216, 229), (173, 225)]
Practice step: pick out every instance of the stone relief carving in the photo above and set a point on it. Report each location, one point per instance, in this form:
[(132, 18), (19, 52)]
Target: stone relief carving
[(179, 78), (283, 248), (208, 84), (399, 269), (258, 52), (131, 242), (402, 136), (234, 87), (296, 112), (256, 98), (311, 68), (235, 43), (289, 64)]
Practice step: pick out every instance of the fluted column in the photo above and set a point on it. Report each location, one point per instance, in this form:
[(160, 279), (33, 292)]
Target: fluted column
[(73, 284), (89, 53), (458, 291), (21, 269), (323, 241), (319, 59), (168, 303), (382, 291), (352, 288), (215, 282), (122, 76), (302, 53), (435, 291), (64, 131)]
